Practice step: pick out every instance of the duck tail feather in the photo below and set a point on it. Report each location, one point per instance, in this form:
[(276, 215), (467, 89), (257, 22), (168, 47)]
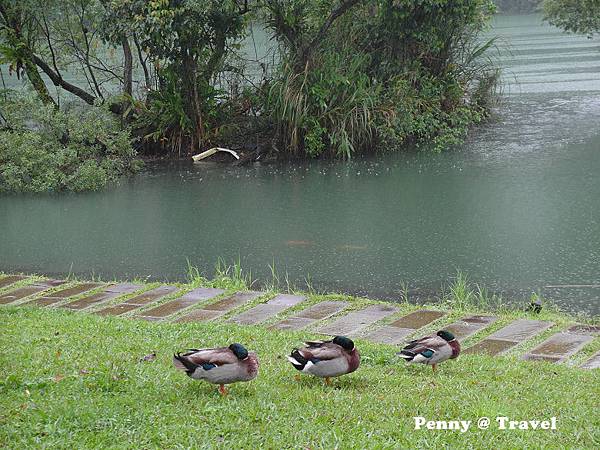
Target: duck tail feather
[(407, 355), (182, 363), (297, 360)]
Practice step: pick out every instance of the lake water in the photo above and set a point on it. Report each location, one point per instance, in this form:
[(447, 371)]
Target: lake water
[(517, 208)]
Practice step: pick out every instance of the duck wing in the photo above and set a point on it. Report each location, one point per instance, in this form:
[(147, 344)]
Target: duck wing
[(429, 348), (324, 351), (214, 357)]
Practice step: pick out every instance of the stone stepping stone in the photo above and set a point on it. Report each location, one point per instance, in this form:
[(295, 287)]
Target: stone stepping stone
[(592, 363), (220, 308), (109, 293), (468, 326), (585, 329), (265, 311), (311, 315), (559, 347), (138, 301), (28, 290), (356, 321), (191, 298), (506, 338), (11, 279), (397, 331), (59, 296)]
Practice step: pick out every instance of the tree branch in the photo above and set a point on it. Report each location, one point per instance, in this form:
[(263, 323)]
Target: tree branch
[(59, 81)]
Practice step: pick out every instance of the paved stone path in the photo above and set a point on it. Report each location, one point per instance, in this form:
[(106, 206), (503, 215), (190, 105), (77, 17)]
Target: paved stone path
[(356, 321), (61, 295), (109, 293), (138, 301), (557, 348), (397, 331), (265, 311), (191, 298), (30, 289), (592, 363), (511, 335), (11, 279), (468, 326), (311, 315), (220, 308)]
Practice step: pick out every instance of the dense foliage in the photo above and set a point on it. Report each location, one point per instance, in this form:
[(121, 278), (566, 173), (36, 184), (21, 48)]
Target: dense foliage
[(378, 75), (576, 16), (348, 76), (46, 149)]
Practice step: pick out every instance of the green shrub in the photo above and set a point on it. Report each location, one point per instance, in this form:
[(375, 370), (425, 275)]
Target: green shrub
[(44, 149)]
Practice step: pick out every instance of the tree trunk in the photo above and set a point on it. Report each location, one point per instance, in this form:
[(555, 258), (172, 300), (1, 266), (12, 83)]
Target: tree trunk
[(193, 104), (128, 68), (38, 83)]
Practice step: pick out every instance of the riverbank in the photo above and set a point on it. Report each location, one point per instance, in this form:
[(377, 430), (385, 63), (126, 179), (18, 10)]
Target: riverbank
[(80, 380)]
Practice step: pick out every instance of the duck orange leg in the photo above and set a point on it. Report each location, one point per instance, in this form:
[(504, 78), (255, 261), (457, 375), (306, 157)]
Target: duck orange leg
[(433, 367), (223, 390), (328, 381)]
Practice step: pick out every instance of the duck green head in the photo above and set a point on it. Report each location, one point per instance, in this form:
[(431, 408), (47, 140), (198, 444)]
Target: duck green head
[(239, 351), (344, 342), (446, 335)]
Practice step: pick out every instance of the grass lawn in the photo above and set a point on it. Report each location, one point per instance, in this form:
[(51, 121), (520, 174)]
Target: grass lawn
[(72, 380)]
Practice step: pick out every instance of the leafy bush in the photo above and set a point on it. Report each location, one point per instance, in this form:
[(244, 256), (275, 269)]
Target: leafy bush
[(46, 149), (367, 77)]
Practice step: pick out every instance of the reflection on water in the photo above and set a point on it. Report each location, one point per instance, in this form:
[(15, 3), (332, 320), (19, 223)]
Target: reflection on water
[(516, 208)]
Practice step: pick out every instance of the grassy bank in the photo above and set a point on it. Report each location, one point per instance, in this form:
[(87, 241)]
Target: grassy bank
[(75, 380)]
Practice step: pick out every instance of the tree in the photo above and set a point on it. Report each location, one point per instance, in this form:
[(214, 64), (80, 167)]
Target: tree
[(575, 16)]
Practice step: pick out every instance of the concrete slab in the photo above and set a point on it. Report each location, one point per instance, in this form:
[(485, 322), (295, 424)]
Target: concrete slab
[(322, 310), (356, 321), (199, 315), (389, 335), (75, 290), (490, 347), (117, 310), (470, 325), (11, 279), (151, 296), (585, 329), (418, 319), (265, 311), (592, 363), (559, 347), (521, 330), (397, 331), (293, 323), (509, 336), (191, 298), (44, 301), (237, 299), (311, 315), (109, 293), (220, 308)]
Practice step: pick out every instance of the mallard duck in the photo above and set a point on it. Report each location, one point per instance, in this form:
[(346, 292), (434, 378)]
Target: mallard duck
[(220, 366), (432, 350), (326, 359)]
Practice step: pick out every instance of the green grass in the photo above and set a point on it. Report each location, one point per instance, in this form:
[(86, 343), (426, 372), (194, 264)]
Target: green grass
[(73, 380)]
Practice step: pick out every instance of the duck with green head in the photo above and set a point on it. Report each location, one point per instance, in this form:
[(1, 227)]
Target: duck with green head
[(224, 365), (432, 350), (326, 359)]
